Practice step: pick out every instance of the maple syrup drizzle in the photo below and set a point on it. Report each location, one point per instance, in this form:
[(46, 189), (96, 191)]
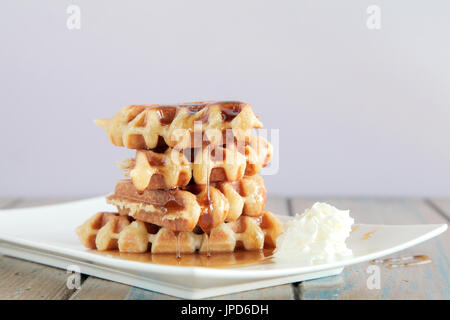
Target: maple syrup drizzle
[(155, 159), (166, 114), (234, 259), (208, 251), (177, 245), (210, 204), (230, 110), (407, 261)]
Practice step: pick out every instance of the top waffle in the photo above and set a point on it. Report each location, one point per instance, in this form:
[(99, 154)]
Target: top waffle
[(143, 126)]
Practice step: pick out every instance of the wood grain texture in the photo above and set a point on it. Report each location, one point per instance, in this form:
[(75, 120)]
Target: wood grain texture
[(99, 289), (442, 205), (6, 203), (277, 205), (141, 294), (282, 292), (21, 279), (428, 281)]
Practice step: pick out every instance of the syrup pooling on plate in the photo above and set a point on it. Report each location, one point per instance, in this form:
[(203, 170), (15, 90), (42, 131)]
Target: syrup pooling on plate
[(238, 258), (368, 235), (407, 261), (210, 206)]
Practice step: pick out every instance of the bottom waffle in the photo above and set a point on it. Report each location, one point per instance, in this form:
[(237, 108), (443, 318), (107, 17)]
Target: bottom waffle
[(111, 231)]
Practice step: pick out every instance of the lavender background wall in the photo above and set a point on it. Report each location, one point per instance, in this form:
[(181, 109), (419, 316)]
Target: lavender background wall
[(360, 112)]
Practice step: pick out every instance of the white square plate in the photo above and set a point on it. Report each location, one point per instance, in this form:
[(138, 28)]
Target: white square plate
[(46, 235)]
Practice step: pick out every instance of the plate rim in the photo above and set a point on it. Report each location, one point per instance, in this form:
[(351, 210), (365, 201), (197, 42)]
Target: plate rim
[(237, 272)]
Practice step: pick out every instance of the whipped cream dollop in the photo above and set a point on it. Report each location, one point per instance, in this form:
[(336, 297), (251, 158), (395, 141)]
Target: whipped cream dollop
[(316, 236)]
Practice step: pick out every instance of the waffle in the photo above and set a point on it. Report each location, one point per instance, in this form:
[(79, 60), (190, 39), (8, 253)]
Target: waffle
[(183, 209), (111, 231), (175, 168), (143, 126)]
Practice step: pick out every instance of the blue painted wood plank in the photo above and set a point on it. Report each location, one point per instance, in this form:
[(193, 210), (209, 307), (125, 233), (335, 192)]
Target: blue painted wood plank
[(429, 281)]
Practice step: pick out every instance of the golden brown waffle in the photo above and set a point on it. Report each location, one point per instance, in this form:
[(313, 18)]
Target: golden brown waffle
[(175, 168), (246, 196), (111, 231), (183, 209), (143, 126)]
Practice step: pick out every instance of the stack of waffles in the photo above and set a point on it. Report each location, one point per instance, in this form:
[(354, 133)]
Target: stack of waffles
[(193, 185)]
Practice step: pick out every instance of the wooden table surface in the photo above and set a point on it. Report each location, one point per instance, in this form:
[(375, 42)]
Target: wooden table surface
[(21, 279)]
